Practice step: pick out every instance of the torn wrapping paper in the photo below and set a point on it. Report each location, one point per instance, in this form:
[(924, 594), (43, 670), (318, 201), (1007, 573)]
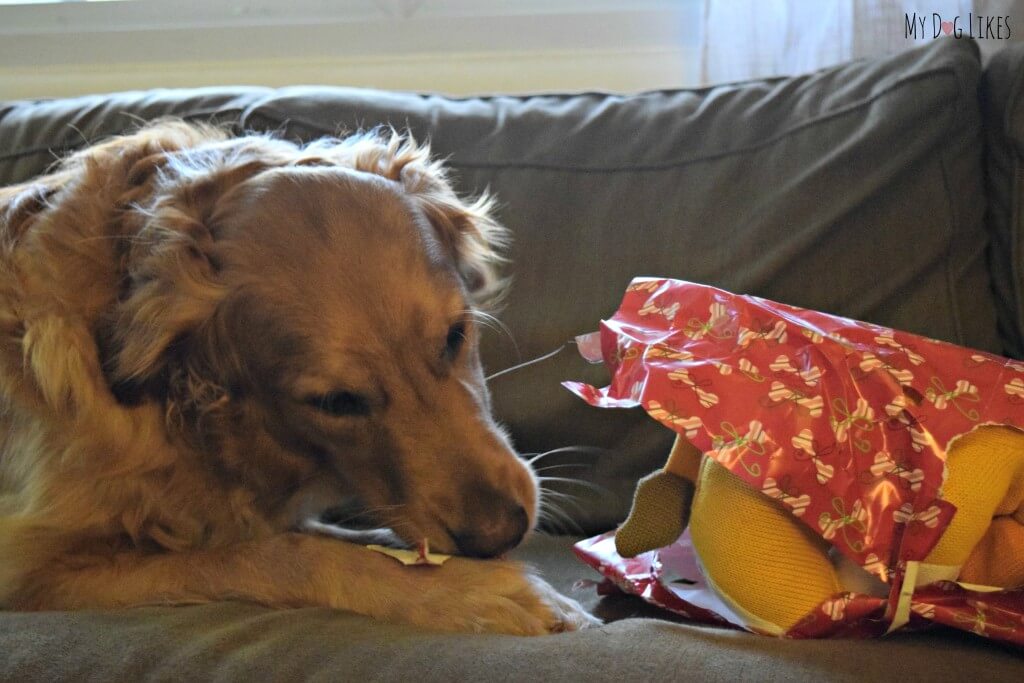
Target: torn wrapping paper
[(420, 555), (845, 423)]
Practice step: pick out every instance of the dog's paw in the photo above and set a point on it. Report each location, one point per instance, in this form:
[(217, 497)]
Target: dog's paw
[(569, 614), (492, 596)]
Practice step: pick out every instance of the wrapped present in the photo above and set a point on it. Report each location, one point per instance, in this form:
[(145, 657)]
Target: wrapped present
[(845, 424)]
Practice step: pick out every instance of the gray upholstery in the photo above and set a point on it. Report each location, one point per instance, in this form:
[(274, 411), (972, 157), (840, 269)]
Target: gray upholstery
[(869, 190), (238, 642)]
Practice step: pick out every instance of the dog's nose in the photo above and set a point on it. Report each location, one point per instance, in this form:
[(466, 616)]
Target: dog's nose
[(494, 534)]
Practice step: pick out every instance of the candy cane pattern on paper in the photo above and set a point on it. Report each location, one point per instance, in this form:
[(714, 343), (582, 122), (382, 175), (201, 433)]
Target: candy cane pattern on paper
[(650, 308), (706, 398), (780, 392), (667, 352), (782, 364), (887, 339), (667, 415), (750, 370), (810, 376), (873, 565), (648, 286), (861, 418), (898, 409), (798, 504), (732, 443), (929, 517), (897, 406), (836, 607), (776, 333), (844, 522), (979, 621), (804, 441), (962, 391), (885, 465), (870, 362), (696, 329), (1015, 388), (723, 368), (840, 339), (923, 609), (815, 337), (919, 439)]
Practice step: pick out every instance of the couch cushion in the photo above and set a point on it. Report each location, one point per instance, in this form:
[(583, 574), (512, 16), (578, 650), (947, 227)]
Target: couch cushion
[(1002, 97), (856, 190), (233, 642)]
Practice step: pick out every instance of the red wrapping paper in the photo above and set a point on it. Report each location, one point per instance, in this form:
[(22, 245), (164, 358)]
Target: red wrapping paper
[(846, 423)]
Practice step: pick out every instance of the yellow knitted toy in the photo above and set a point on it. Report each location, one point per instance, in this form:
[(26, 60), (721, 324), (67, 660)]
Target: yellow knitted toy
[(772, 570)]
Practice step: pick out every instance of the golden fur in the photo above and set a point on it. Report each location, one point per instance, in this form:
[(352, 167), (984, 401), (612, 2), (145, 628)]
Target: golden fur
[(206, 341)]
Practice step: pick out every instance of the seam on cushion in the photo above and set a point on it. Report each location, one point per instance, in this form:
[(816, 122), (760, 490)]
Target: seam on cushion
[(278, 119), (1014, 217), (1014, 220), (28, 151), (951, 288)]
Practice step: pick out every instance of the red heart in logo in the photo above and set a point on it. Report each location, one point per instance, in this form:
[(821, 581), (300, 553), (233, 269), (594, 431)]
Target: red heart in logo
[(947, 27)]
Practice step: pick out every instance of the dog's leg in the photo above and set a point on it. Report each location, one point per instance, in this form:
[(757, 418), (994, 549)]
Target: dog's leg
[(291, 570)]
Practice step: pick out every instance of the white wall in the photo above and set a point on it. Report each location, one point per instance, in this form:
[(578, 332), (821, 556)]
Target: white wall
[(457, 47)]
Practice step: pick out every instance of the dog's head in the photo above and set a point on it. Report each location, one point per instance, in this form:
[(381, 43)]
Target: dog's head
[(310, 313)]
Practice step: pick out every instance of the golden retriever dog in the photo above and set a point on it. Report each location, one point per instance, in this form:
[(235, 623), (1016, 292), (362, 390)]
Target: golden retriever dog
[(205, 342)]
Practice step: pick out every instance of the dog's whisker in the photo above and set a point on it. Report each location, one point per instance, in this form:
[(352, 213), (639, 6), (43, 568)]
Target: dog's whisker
[(368, 512), (524, 364), (381, 509), (560, 466), (562, 502), (564, 497), (547, 523), (490, 326), (577, 482), (555, 514), (564, 449)]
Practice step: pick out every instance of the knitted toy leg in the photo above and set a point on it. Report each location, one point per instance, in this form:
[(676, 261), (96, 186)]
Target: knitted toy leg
[(763, 563), (661, 503), (986, 483)]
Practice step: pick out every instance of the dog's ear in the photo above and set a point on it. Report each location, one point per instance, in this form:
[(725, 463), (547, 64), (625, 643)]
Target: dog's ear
[(470, 234), (171, 286), (466, 228)]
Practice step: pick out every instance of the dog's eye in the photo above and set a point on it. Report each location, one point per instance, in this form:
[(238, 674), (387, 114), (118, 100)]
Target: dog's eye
[(453, 343), (341, 403)]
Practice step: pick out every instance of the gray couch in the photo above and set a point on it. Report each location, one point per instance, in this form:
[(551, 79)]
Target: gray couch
[(882, 190)]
